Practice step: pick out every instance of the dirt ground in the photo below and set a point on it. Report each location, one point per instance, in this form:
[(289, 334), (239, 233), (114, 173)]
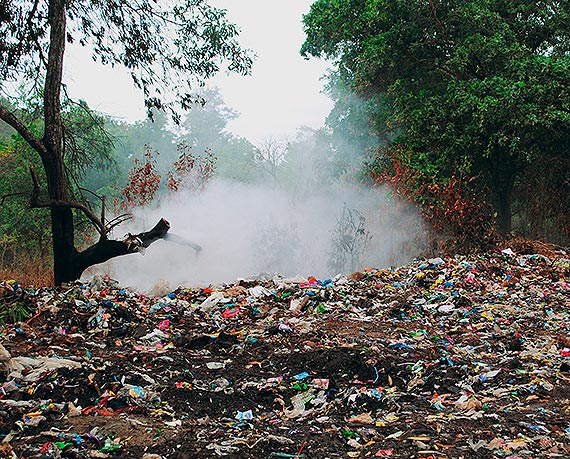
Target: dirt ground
[(463, 357)]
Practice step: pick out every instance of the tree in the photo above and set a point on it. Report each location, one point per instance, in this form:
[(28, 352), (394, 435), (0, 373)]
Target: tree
[(168, 48), (204, 130), (25, 236), (270, 156), (349, 240), (477, 87)]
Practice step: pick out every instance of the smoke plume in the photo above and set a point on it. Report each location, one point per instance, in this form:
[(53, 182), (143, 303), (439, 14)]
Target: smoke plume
[(235, 230)]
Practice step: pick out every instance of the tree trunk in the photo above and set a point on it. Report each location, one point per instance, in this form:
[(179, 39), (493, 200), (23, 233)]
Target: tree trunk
[(504, 212), (503, 172), (64, 251)]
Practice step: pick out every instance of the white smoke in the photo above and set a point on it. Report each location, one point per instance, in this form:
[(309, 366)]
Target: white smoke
[(245, 230)]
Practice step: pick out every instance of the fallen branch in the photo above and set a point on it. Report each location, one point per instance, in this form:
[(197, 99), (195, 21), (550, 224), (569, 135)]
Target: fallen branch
[(106, 249)]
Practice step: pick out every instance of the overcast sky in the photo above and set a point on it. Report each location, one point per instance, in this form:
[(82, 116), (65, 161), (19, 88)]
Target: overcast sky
[(283, 93)]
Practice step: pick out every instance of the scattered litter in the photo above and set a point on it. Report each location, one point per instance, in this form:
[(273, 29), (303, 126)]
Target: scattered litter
[(445, 357)]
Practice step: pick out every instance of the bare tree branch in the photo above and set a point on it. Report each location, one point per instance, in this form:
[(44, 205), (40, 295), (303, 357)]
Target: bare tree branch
[(118, 221), (10, 118), (106, 249), (35, 202), (11, 195)]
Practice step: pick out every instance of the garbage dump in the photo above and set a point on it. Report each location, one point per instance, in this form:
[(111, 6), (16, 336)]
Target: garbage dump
[(452, 357)]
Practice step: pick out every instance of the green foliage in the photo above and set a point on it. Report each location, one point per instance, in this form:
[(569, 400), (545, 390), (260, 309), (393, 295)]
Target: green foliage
[(235, 159), (24, 234), (89, 142), (15, 304), (203, 129), (308, 163), (357, 125), (477, 87), (175, 45)]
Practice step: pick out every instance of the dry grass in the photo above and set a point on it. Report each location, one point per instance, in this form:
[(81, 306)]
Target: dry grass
[(29, 273)]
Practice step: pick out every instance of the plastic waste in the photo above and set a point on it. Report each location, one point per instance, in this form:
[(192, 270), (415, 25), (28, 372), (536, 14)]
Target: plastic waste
[(421, 360), (210, 303)]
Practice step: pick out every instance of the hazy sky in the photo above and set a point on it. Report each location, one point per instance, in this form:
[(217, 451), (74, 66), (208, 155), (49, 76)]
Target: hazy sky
[(283, 93)]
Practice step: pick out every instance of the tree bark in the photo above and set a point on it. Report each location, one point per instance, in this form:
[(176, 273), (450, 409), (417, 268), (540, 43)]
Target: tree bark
[(106, 249), (503, 170), (64, 251)]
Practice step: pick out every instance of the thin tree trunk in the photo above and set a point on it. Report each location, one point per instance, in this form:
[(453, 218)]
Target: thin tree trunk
[(64, 251)]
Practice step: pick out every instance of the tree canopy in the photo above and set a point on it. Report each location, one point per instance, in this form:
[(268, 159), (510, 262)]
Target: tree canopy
[(169, 48), (474, 87)]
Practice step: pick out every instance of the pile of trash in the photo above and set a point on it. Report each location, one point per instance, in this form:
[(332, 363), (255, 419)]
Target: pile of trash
[(456, 357)]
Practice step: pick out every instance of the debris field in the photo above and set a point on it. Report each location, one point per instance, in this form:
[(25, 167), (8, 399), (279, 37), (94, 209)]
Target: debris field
[(453, 357)]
